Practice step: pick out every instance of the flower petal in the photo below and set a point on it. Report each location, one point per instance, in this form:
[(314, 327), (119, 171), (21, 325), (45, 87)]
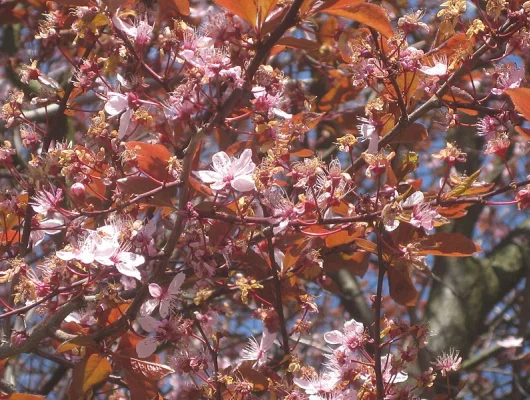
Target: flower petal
[(334, 337), (165, 304), (125, 123), (146, 347), (176, 283), (148, 307), (155, 290), (148, 323), (243, 183), (208, 176), (221, 162), (116, 103)]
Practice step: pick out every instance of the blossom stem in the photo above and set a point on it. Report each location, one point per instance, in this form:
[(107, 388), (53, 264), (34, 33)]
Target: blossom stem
[(213, 354), (377, 324), (279, 305)]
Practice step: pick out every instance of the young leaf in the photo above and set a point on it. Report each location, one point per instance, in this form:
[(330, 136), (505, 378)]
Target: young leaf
[(521, 100), (264, 7), (91, 371), (402, 289), (298, 43), (182, 6), (257, 379), (343, 237), (80, 341), (364, 244), (141, 388), (149, 370), (448, 244), (152, 160), (356, 263), (246, 10), (366, 13)]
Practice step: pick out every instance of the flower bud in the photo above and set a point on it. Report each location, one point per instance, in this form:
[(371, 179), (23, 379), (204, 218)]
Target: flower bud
[(78, 190)]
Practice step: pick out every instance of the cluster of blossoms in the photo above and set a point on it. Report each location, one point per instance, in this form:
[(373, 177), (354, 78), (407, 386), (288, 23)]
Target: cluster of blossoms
[(350, 372), (107, 245)]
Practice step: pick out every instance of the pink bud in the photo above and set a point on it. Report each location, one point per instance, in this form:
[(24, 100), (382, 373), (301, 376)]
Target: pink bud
[(78, 190)]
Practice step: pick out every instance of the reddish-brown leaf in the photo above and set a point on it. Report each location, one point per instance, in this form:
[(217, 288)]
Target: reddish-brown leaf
[(238, 147), (180, 6), (141, 388), (152, 160), (303, 153), (246, 10), (258, 380), (264, 8), (298, 43), (327, 31), (356, 263), (91, 371), (364, 244), (11, 236), (341, 92), (461, 96), (79, 341), (111, 315), (407, 163), (402, 289), (151, 371), (292, 254), (411, 134), (338, 4), (454, 211), (369, 14), (344, 237), (128, 341), (521, 99), (448, 244)]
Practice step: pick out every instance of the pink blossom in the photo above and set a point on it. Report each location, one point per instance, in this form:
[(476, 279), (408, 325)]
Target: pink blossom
[(283, 210), (208, 321), (351, 338), (50, 226), (440, 67), (147, 346), (95, 246), (141, 31), (168, 330), (269, 104), (258, 352), (316, 386), (163, 298), (368, 132), (448, 361), (390, 374), (423, 215), (46, 202), (508, 77), (83, 317), (119, 103), (236, 172)]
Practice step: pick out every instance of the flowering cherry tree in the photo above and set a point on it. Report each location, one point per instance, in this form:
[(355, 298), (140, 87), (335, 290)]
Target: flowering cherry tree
[(297, 199)]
